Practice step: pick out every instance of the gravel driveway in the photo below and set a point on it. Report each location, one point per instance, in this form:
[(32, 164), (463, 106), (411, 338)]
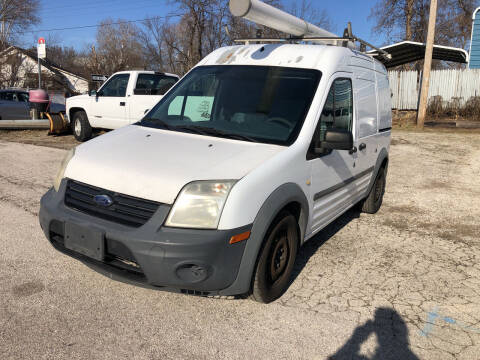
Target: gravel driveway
[(402, 284)]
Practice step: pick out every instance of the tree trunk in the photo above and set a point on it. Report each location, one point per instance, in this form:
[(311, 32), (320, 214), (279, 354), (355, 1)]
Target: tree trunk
[(408, 19)]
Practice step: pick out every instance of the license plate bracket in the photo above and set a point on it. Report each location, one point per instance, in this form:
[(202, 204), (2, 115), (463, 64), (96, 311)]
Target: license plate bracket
[(86, 241)]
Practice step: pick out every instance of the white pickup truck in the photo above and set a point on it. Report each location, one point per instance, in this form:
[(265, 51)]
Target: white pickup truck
[(123, 99)]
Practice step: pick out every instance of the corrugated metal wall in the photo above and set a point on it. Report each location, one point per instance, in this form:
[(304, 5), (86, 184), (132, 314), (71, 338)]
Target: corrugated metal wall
[(475, 46), (451, 85)]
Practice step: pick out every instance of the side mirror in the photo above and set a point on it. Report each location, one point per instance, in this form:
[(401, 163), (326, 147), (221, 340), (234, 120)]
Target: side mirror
[(336, 139), (93, 93)]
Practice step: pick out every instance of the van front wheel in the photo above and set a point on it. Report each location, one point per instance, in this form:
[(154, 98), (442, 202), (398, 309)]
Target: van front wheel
[(276, 259)]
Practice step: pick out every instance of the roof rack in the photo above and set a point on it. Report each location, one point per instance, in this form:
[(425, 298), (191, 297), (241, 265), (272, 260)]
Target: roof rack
[(347, 38)]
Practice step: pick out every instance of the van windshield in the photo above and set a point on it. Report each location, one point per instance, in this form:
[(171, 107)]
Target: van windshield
[(250, 103)]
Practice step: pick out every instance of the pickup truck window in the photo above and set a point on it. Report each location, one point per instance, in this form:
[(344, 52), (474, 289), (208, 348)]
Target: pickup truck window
[(23, 97), (116, 86), (154, 84), (253, 103), (7, 96)]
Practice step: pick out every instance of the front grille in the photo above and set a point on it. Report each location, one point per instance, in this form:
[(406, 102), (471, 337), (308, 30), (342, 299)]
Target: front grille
[(126, 210)]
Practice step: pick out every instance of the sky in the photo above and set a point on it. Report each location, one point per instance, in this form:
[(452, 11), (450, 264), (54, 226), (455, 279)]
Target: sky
[(69, 13)]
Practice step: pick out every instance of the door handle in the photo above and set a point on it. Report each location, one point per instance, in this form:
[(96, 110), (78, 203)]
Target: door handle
[(362, 146), (122, 103), (353, 151)]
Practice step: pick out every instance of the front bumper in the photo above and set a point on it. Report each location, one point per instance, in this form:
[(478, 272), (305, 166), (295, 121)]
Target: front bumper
[(192, 261)]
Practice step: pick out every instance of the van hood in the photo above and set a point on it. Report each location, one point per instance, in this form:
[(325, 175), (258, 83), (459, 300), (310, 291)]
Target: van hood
[(155, 164)]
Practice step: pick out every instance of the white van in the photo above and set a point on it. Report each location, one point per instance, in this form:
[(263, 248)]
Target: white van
[(251, 154)]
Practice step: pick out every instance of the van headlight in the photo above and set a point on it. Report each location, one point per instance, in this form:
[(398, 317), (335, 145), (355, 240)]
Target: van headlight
[(199, 205), (63, 167)]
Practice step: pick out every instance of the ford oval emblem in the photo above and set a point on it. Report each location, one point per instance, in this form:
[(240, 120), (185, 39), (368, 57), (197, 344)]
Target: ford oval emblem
[(103, 200)]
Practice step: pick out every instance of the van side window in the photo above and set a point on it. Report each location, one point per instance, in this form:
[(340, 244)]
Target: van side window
[(338, 110), (337, 113)]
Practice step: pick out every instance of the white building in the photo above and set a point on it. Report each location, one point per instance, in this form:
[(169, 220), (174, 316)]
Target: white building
[(19, 68)]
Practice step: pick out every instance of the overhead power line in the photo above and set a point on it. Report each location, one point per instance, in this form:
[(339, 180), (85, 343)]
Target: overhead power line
[(82, 5), (79, 9), (98, 25)]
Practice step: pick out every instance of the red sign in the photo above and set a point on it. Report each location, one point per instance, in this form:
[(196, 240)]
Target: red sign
[(41, 40)]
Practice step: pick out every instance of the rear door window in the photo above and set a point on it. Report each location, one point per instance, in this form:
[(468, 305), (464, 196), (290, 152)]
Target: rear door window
[(154, 84), (23, 97)]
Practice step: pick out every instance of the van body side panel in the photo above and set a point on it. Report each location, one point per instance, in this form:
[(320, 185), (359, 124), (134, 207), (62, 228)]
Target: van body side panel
[(384, 102), (250, 193), (366, 100), (277, 200)]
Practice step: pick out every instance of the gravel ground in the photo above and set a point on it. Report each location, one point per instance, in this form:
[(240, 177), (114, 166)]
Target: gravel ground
[(401, 284)]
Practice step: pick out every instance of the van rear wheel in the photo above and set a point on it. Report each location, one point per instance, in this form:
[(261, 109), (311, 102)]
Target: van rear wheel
[(375, 198), (81, 127), (276, 259)]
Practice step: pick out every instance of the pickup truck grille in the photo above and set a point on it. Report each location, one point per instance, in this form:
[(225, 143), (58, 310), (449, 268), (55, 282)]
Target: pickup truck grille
[(125, 210)]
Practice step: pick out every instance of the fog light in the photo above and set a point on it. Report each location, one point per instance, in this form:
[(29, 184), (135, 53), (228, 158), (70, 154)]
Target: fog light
[(192, 273)]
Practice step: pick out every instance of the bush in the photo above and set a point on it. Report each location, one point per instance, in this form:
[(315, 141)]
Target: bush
[(437, 107), (471, 108)]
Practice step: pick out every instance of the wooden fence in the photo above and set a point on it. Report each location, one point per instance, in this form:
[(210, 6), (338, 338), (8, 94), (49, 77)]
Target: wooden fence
[(452, 85)]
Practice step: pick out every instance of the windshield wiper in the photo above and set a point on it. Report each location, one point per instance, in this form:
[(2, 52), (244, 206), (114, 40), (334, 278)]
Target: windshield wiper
[(201, 130), (240, 137), (156, 122), (193, 129), (215, 132)]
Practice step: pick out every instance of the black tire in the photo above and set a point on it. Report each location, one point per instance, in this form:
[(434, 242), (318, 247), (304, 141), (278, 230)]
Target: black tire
[(81, 127), (374, 200), (276, 259)]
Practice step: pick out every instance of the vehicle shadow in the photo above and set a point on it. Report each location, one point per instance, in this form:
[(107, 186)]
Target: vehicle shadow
[(392, 339), (312, 245)]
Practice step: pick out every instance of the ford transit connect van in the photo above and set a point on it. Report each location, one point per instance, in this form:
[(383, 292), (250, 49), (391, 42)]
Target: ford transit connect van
[(252, 153)]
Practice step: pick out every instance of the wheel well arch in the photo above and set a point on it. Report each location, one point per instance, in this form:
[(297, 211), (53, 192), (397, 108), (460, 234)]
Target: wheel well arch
[(288, 197), (73, 110), (384, 162), (300, 214)]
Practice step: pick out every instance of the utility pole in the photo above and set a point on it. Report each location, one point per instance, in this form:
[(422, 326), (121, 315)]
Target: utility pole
[(39, 72), (422, 107)]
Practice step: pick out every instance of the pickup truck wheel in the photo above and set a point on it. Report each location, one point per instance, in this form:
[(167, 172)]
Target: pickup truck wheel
[(276, 259), (375, 198), (81, 127)]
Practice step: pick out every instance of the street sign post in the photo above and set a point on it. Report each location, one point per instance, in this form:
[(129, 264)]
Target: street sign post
[(42, 54)]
